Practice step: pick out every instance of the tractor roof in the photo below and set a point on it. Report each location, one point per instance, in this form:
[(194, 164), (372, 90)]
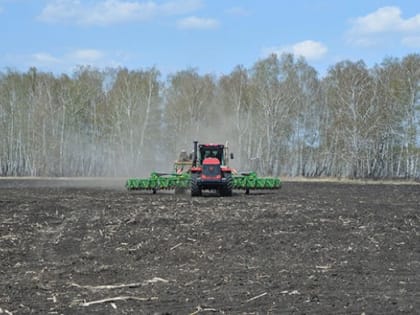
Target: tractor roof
[(212, 145)]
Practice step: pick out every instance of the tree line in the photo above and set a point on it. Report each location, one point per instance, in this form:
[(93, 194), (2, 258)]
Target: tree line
[(279, 117)]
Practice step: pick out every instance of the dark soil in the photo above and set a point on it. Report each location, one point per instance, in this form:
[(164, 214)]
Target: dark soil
[(68, 247)]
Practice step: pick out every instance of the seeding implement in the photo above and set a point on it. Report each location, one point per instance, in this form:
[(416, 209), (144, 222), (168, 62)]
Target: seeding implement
[(207, 168)]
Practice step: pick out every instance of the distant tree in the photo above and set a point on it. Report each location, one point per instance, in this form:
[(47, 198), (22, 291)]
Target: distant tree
[(353, 104), (282, 89), (233, 95), (410, 67), (309, 125), (188, 109), (135, 99)]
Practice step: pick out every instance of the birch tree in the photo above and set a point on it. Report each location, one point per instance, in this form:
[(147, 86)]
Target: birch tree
[(234, 99), (410, 66), (275, 101), (136, 100), (188, 109), (356, 115)]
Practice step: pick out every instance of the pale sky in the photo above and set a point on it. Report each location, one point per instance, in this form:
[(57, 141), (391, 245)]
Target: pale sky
[(212, 36)]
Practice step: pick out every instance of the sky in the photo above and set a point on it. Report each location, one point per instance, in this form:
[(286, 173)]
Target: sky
[(211, 36)]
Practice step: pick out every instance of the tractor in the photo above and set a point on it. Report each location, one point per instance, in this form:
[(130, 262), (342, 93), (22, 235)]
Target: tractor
[(210, 170)]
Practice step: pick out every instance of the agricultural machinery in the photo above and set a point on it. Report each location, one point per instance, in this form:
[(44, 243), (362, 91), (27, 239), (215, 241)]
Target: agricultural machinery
[(206, 168)]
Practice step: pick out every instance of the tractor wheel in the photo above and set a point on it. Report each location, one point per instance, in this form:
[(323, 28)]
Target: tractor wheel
[(227, 189), (195, 189)]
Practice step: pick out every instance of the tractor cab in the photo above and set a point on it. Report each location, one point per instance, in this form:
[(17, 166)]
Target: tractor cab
[(216, 151), (211, 151)]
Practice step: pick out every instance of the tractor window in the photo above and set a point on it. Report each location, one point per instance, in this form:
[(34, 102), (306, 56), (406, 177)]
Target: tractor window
[(211, 170), (208, 153)]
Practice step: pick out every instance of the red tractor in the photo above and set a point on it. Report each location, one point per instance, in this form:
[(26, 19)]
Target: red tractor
[(210, 170)]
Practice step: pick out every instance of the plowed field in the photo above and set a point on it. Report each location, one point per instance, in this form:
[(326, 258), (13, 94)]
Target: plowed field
[(68, 247)]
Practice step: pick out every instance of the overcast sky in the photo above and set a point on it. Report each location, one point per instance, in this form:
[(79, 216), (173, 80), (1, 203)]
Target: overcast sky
[(213, 36)]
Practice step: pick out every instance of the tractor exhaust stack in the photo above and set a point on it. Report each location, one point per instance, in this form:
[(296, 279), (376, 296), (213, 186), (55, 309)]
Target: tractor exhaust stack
[(194, 162)]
